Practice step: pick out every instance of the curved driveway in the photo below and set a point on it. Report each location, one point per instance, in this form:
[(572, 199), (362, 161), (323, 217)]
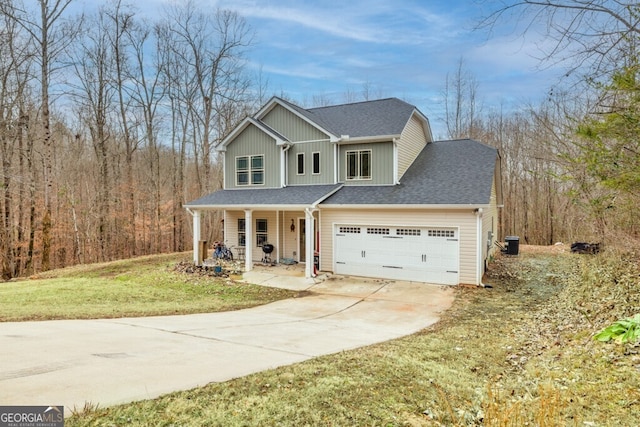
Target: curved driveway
[(110, 361)]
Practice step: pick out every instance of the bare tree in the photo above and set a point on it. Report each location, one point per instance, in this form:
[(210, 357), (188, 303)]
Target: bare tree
[(51, 36), (587, 34), (15, 63), (460, 103), (212, 46), (95, 95)]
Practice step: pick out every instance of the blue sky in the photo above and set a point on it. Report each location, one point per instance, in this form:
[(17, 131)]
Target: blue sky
[(403, 48)]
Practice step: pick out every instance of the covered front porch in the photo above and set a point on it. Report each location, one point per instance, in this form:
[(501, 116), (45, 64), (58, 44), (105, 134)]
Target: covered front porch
[(286, 218)]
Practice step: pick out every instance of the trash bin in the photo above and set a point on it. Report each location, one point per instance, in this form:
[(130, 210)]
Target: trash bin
[(513, 244)]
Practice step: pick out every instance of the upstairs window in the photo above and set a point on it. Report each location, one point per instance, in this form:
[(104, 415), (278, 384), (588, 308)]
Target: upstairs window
[(300, 158), (316, 163), (250, 170), (358, 164)]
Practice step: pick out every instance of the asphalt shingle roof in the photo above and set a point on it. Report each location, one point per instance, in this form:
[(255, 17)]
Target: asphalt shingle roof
[(369, 118), (299, 195), (456, 172)]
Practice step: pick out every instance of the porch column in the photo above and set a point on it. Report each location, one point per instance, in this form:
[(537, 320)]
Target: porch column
[(248, 238), (309, 246), (196, 237)]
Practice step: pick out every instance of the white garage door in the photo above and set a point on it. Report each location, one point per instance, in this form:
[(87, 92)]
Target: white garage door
[(422, 254)]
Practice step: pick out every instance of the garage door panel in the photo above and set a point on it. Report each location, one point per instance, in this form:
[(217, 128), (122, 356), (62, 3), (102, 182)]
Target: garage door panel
[(416, 254)]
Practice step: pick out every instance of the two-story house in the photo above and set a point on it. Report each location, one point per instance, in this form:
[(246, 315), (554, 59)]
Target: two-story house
[(364, 186)]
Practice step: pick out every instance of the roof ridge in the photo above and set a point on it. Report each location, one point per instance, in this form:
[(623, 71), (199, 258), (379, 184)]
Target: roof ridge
[(358, 102)]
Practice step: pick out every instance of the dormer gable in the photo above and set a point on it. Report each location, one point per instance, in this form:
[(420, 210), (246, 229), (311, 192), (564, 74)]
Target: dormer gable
[(281, 108), (277, 137)]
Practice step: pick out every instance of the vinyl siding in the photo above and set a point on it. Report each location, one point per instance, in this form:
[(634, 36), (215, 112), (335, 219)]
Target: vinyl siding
[(252, 141), (464, 220), (231, 231), (410, 144), (381, 163), (325, 148), (490, 223), (292, 126), (285, 241)]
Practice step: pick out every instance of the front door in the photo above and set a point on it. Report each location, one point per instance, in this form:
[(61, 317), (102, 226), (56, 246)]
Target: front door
[(302, 240)]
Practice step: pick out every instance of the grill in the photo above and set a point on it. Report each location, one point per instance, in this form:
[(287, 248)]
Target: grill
[(267, 248)]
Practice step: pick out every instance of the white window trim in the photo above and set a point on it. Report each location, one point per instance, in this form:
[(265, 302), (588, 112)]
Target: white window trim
[(313, 172), (250, 170), (346, 164), (298, 155)]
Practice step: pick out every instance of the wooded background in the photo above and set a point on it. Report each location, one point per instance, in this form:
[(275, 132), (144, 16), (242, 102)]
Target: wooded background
[(108, 124)]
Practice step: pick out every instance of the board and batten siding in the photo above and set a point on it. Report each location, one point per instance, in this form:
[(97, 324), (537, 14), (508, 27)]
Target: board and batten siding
[(411, 142), (292, 126), (252, 141), (381, 163), (326, 150), (464, 220)]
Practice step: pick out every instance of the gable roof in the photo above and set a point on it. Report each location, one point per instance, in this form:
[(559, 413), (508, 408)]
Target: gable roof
[(381, 117), (370, 118), (458, 172), (277, 136)]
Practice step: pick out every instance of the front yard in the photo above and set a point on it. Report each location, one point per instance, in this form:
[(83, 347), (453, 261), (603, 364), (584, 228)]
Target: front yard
[(518, 353)]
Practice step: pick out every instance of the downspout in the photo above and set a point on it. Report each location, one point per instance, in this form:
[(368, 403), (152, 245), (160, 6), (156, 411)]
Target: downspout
[(283, 159), (336, 167), (479, 243)]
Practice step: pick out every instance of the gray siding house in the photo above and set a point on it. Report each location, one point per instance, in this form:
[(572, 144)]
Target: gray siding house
[(363, 186)]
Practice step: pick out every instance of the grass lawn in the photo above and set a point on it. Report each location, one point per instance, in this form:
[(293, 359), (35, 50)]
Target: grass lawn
[(144, 286), (519, 353)]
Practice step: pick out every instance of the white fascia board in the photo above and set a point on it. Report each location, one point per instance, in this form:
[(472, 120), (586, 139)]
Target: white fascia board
[(403, 207), (241, 127), (325, 197), (363, 139), (247, 207), (277, 101)]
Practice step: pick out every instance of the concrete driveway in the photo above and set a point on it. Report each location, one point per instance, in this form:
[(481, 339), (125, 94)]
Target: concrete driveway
[(110, 361)]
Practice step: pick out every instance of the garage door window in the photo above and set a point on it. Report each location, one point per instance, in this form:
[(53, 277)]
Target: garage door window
[(408, 232), (442, 233), (373, 230), (350, 230)]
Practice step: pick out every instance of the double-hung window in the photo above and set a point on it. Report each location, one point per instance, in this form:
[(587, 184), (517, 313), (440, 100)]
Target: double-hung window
[(242, 235), (261, 232), (250, 170), (358, 164)]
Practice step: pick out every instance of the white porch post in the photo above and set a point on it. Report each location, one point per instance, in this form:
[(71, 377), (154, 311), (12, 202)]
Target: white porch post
[(196, 237), (248, 238), (309, 247)]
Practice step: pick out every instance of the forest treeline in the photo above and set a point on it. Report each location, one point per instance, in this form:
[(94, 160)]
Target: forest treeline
[(109, 122)]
